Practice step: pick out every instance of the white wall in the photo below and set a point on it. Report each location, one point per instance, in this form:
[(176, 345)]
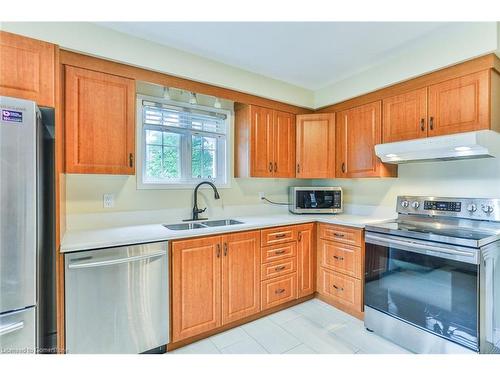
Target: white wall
[(99, 41), (464, 178), (446, 46)]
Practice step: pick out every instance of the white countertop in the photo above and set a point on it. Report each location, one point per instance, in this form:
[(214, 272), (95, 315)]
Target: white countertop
[(77, 240)]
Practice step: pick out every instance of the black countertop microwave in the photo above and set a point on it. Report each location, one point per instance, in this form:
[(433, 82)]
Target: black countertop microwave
[(315, 200)]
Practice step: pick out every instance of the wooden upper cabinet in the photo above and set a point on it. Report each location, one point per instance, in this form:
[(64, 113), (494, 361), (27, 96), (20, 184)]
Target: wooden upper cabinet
[(359, 129), (99, 122), (284, 144), (264, 142), (460, 105), (262, 151), (27, 69), (196, 281), (240, 275), (405, 116), (315, 146)]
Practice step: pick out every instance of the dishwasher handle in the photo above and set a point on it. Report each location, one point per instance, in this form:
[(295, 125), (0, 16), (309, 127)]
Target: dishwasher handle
[(110, 262), (11, 328)]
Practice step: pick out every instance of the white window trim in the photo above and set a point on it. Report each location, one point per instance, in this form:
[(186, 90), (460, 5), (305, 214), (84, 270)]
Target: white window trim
[(141, 147)]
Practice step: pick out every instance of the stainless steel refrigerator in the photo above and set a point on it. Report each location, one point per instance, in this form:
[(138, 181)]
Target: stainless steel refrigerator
[(27, 253)]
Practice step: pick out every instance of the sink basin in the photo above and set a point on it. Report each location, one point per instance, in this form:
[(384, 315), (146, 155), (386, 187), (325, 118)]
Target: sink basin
[(221, 223), (204, 224), (184, 226)]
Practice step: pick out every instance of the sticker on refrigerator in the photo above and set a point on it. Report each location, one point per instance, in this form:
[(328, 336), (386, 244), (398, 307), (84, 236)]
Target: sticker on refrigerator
[(12, 116)]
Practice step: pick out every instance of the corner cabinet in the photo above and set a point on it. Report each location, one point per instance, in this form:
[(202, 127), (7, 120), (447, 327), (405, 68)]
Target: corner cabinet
[(315, 146), (264, 142), (358, 130), (99, 122), (28, 69)]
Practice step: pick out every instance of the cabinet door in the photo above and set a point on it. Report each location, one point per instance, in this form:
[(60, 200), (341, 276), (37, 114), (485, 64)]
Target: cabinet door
[(359, 129), (27, 69), (100, 123), (459, 105), (305, 257), (196, 280), (405, 116), (262, 152), (240, 275), (315, 146), (284, 144)]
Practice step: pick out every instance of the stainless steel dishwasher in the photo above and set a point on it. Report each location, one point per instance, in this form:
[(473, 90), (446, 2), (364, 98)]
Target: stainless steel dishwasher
[(117, 299)]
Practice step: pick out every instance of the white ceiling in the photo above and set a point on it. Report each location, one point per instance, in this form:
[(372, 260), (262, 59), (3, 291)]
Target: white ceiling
[(309, 55)]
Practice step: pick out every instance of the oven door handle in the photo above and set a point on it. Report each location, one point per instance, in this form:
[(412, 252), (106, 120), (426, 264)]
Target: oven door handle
[(464, 255)]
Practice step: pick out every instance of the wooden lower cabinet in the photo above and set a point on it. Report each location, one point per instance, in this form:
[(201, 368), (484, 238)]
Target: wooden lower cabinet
[(240, 275), (196, 286), (278, 290), (340, 290), (340, 257), (215, 280), (306, 255)]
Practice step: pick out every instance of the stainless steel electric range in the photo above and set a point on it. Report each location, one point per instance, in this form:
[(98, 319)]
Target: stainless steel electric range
[(432, 278)]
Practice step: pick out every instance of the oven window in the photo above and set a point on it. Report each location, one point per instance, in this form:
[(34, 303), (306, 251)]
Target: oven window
[(318, 199), (436, 294)]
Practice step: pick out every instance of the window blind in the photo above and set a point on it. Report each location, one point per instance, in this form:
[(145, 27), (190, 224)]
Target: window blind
[(170, 116)]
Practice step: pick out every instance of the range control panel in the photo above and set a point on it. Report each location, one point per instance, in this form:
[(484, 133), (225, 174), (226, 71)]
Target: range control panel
[(470, 208), (443, 206)]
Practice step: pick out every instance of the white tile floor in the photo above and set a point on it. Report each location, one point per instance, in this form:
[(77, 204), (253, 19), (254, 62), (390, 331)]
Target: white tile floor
[(309, 328)]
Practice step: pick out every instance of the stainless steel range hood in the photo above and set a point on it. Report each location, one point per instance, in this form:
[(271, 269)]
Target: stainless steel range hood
[(472, 145)]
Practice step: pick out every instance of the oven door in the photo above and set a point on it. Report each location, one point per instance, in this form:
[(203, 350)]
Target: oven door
[(430, 285)]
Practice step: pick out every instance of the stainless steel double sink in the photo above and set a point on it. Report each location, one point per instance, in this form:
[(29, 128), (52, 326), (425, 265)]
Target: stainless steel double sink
[(204, 224)]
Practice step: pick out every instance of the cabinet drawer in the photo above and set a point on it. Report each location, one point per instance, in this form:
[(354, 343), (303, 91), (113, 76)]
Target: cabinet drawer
[(350, 236), (342, 289), (340, 257), (277, 252), (273, 236), (278, 268), (278, 290)]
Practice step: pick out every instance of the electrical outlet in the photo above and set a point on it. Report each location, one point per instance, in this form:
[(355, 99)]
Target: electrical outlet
[(108, 200), (262, 195)]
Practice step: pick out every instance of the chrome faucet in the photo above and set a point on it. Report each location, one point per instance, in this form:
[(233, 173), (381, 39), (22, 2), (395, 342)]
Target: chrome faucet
[(196, 210)]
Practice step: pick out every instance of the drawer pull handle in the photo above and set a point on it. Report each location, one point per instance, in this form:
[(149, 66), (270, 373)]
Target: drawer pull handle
[(338, 288), (338, 258), (218, 250), (279, 291), (281, 235), (339, 235), (280, 268), (277, 252)]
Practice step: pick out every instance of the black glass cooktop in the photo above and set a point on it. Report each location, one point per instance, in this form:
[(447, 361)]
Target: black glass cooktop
[(439, 232)]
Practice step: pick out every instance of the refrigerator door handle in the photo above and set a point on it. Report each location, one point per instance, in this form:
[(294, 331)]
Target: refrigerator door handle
[(115, 261), (11, 328)]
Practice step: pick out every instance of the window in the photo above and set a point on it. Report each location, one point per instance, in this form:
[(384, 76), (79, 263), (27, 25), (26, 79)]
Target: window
[(181, 144)]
